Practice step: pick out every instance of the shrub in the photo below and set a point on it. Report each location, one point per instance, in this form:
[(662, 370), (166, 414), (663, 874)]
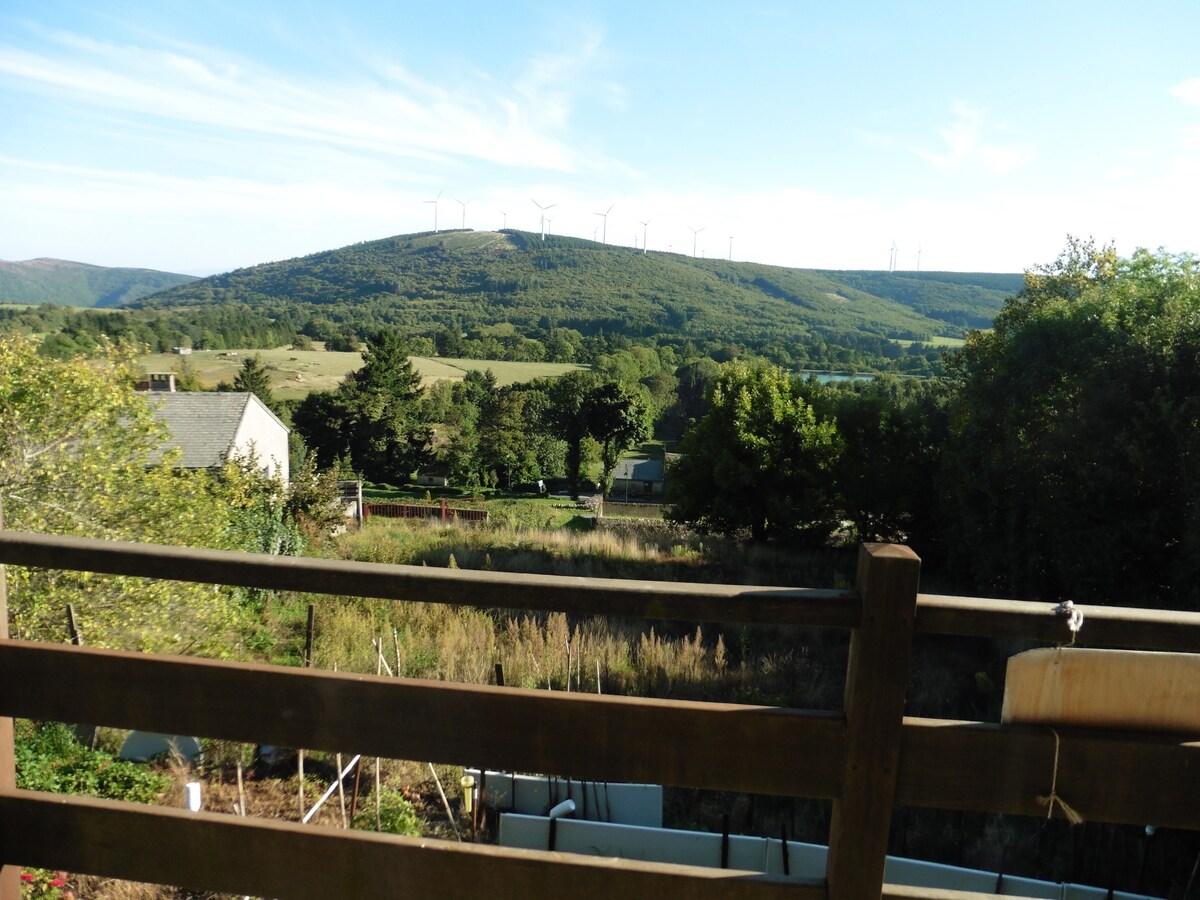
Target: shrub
[(396, 815), (51, 759)]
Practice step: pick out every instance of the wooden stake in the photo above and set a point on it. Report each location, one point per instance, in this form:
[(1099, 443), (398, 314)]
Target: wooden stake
[(306, 662), (378, 799), (73, 627), (354, 793), (241, 790), (341, 788), (85, 734), (381, 663), (445, 802), (308, 636)]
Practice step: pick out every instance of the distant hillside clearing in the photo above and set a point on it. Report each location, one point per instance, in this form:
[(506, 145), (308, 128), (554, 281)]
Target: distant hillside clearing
[(296, 373)]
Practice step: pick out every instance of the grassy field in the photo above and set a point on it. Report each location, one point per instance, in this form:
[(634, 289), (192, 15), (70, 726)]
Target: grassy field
[(932, 342), (505, 372), (295, 373)]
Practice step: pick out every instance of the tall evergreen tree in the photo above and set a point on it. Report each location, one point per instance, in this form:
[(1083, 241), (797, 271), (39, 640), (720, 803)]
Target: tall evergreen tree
[(375, 417), (253, 378)]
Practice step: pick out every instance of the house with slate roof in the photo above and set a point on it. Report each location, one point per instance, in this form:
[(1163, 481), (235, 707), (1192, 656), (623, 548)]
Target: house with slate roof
[(637, 478), (211, 428)]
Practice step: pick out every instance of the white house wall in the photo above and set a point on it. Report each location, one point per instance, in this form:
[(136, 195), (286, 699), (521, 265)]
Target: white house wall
[(260, 433)]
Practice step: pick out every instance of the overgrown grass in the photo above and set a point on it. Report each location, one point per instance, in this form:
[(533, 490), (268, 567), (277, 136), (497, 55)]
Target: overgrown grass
[(557, 652)]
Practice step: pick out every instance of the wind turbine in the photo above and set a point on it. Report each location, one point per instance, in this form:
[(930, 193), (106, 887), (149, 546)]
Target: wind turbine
[(918, 257), (434, 201), (695, 234), (892, 257), (504, 227), (644, 224), (604, 216), (463, 204), (542, 225), (731, 248)]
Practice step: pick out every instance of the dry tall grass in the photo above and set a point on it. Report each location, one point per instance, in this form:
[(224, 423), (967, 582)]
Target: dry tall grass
[(556, 652)]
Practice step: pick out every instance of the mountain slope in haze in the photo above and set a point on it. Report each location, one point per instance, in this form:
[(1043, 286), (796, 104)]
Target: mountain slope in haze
[(477, 278), (66, 283)]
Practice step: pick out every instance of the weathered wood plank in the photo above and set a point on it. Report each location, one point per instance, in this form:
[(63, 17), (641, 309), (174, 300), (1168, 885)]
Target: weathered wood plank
[(285, 860), (1128, 689), (1103, 626), (710, 745), (1107, 776), (485, 590), (876, 681)]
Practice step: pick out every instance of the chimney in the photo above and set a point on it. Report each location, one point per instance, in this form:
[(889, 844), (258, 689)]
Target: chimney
[(161, 381)]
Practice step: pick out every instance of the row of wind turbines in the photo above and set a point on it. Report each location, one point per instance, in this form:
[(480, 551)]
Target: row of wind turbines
[(545, 221), (894, 258)]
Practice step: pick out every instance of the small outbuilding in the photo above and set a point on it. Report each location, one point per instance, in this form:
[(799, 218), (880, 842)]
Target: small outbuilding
[(637, 478)]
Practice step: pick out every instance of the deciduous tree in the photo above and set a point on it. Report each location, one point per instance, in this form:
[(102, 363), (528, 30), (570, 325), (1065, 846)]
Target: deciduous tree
[(1076, 432), (82, 454), (759, 459)]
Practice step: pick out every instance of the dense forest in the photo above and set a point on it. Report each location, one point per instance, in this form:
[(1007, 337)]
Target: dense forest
[(66, 283), (511, 296)]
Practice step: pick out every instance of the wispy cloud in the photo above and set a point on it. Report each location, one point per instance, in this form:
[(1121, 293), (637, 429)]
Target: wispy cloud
[(1188, 91), (395, 114), (967, 141)]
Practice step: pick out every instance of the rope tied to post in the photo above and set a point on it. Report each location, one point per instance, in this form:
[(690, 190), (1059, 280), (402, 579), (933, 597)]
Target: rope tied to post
[(1073, 615), (1049, 801)]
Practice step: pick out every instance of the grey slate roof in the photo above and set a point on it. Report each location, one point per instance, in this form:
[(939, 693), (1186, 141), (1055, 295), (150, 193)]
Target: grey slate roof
[(639, 470), (203, 425)]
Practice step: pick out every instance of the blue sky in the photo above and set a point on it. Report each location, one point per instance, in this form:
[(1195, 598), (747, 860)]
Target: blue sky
[(199, 137)]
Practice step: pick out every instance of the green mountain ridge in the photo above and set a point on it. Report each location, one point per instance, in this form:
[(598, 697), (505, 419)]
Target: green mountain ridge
[(66, 283), (472, 279)]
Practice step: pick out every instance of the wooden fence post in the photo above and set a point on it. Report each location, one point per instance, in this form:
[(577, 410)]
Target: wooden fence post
[(10, 881), (876, 682)]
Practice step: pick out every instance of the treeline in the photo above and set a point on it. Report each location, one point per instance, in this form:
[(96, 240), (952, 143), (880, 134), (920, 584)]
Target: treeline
[(69, 333), (1057, 461)]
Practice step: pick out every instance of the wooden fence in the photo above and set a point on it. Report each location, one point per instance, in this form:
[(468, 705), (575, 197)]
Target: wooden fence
[(442, 511), (866, 759)]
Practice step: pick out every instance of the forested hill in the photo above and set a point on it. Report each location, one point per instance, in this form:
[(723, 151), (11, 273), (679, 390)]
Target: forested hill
[(78, 284), (472, 279)]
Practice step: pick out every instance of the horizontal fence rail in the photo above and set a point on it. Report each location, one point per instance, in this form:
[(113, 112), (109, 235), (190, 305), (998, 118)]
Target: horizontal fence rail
[(1104, 626), (485, 590), (305, 862), (720, 746)]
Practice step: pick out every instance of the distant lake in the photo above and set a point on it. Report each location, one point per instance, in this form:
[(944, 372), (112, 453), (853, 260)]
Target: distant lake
[(827, 377)]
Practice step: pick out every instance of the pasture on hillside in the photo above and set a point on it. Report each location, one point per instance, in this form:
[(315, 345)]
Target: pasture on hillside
[(295, 373), (935, 341)]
